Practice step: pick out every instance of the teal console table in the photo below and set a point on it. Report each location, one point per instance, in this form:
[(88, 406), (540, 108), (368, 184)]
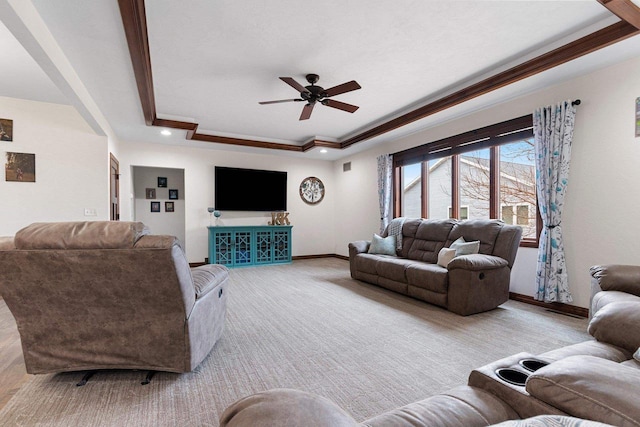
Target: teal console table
[(243, 246)]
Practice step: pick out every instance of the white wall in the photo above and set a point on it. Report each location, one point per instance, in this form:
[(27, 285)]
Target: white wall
[(71, 166), (163, 222), (313, 226), (602, 204)]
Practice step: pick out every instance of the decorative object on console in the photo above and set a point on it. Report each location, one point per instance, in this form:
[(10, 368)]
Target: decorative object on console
[(168, 207), (20, 167), (279, 218), (173, 194), (162, 182), (155, 206), (150, 193), (6, 130), (312, 190)]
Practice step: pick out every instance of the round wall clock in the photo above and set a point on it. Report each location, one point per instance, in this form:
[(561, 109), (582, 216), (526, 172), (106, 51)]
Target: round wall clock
[(312, 190)]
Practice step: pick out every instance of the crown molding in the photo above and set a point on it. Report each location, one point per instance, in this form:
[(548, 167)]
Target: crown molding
[(135, 26)]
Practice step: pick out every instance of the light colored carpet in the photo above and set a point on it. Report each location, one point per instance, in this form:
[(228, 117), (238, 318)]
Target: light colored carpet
[(309, 326)]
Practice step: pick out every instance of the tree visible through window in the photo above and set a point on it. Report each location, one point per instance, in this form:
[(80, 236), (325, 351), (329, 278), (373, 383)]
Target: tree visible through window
[(486, 173)]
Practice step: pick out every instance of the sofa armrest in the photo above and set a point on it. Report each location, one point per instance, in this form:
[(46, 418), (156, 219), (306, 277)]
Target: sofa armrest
[(477, 262), (285, 408), (359, 247), (617, 277), (590, 387)]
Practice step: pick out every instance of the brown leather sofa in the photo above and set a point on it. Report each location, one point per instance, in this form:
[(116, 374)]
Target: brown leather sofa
[(468, 284), (109, 295), (592, 383)]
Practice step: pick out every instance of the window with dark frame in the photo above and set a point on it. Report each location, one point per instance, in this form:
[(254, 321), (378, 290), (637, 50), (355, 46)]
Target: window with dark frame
[(485, 173)]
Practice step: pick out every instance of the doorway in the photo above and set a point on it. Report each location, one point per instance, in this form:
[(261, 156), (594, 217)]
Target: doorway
[(114, 188)]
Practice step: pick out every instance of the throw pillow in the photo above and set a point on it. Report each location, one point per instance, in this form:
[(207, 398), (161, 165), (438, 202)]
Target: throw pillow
[(636, 355), (468, 248), (383, 245), (445, 256), (460, 240)]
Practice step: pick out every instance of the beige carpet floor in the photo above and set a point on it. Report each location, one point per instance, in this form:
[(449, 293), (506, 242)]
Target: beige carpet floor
[(308, 326)]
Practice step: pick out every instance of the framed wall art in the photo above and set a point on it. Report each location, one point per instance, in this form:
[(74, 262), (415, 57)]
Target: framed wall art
[(162, 182), (173, 194), (155, 206), (150, 193), (20, 167), (168, 207), (6, 130)]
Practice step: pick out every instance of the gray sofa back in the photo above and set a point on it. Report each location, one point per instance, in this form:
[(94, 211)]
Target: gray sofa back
[(422, 239)]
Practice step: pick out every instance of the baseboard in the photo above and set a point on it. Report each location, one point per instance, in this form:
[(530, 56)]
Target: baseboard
[(553, 306), (346, 258), (320, 256)]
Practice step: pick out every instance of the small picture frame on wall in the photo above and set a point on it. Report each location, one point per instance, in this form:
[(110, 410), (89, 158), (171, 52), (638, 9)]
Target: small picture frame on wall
[(168, 207), (6, 130), (637, 117), (155, 206), (162, 182), (173, 194), (20, 167), (150, 193)]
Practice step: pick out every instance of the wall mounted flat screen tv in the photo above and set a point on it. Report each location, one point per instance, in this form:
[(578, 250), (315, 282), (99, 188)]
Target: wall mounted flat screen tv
[(250, 190)]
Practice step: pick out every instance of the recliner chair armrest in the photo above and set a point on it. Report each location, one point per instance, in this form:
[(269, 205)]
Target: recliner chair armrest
[(477, 262), (617, 277), (359, 247), (285, 408)]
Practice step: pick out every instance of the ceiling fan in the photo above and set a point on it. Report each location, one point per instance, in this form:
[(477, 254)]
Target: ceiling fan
[(313, 94)]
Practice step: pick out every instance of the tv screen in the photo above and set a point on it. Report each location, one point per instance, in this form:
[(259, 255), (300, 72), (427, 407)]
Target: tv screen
[(250, 190)]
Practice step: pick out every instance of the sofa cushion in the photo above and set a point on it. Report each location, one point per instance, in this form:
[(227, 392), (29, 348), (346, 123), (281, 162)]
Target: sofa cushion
[(590, 387), (551, 421), (80, 235), (7, 243), (616, 277), (429, 238), (428, 276), (603, 298), (383, 245), (484, 230), (366, 263), (393, 268), (617, 323), (460, 407)]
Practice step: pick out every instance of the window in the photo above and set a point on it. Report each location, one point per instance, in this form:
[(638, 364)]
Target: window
[(485, 173), (464, 212), (411, 191)]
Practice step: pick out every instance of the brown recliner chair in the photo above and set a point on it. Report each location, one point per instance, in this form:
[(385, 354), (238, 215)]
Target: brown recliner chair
[(108, 295)]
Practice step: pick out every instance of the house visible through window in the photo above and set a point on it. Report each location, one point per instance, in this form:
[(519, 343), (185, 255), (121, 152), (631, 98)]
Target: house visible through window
[(485, 173)]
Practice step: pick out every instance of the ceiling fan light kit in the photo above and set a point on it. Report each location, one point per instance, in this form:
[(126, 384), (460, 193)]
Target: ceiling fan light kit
[(313, 94)]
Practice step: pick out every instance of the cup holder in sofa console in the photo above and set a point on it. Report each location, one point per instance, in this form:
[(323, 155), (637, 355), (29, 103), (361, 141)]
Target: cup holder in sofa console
[(532, 364), (512, 376)]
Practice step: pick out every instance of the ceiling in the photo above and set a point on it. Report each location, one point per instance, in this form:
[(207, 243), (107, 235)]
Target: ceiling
[(213, 61)]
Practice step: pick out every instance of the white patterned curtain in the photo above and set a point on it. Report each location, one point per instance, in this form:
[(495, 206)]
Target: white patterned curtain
[(385, 169), (553, 132)]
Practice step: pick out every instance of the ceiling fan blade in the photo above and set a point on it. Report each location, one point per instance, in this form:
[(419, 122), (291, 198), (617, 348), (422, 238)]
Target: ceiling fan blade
[(340, 105), (294, 84), (280, 100), (306, 111), (344, 87)]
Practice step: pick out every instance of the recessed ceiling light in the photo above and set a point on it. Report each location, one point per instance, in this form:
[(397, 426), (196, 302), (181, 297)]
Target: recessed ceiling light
[(165, 132), (324, 150)]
